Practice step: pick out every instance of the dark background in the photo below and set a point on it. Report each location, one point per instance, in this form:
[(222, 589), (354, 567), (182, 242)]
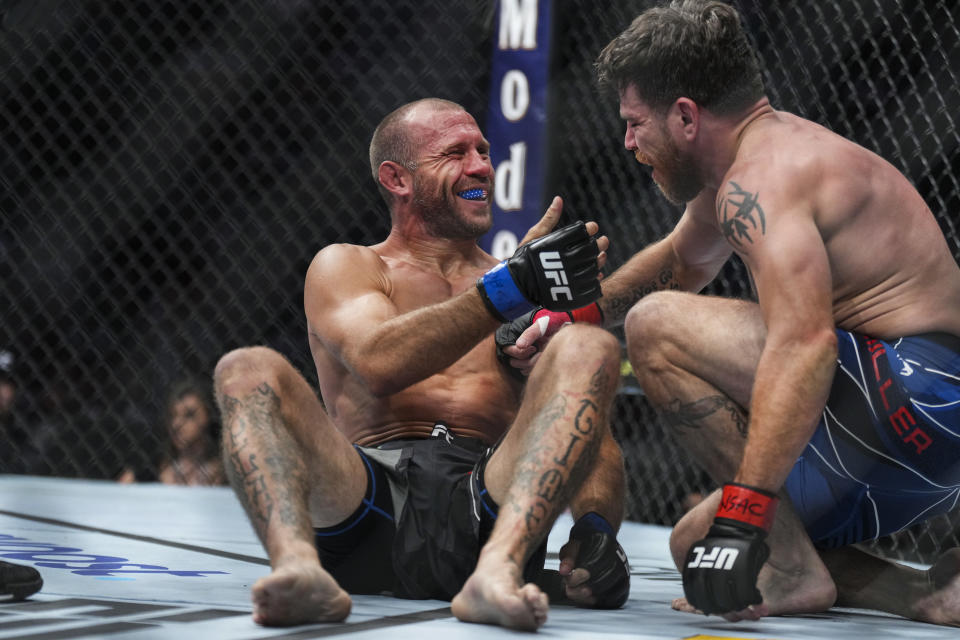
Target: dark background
[(169, 169)]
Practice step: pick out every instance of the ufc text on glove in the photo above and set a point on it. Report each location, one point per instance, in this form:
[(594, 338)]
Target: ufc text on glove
[(558, 272), (720, 573)]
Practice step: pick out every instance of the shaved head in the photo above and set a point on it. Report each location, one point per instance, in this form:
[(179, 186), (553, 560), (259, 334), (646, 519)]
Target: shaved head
[(395, 140)]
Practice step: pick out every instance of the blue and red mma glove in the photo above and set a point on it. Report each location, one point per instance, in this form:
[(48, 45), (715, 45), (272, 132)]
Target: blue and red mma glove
[(558, 271), (604, 558), (508, 333), (720, 573)]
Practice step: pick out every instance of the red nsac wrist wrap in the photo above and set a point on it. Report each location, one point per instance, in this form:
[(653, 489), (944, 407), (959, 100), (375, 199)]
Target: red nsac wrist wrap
[(590, 313), (751, 506)]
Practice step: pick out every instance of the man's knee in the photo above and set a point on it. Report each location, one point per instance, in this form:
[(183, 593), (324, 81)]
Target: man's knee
[(242, 370), (585, 343), (651, 327)]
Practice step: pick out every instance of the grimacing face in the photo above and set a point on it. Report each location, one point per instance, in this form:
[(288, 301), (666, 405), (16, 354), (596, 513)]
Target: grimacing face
[(441, 210), (675, 172), (453, 181)]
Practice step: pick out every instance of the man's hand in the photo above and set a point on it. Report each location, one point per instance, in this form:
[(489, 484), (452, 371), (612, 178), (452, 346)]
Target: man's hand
[(593, 565), (720, 572), (520, 343), (550, 219), (560, 271), (546, 224)]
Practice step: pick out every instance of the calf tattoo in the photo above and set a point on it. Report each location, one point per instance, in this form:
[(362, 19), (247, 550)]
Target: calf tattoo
[(261, 459), (548, 486), (563, 470), (692, 414)]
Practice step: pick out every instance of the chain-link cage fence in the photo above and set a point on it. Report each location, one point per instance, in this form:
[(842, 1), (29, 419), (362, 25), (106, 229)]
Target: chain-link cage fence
[(169, 169)]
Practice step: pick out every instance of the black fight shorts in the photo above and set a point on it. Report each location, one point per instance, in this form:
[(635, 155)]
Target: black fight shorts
[(445, 516)]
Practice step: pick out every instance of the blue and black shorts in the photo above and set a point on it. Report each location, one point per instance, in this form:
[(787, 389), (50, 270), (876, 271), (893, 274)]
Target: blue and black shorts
[(886, 454), (445, 516)]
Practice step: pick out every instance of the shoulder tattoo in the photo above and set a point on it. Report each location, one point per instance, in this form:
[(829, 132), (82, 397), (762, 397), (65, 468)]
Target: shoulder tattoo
[(740, 215)]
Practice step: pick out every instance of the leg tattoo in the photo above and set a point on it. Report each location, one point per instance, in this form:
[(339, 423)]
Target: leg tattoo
[(692, 414), (556, 466), (263, 462)]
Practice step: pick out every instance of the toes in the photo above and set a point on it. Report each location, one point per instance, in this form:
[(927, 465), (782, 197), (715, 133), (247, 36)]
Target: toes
[(540, 606), (533, 596), (577, 577), (581, 596), (535, 599), (681, 604)]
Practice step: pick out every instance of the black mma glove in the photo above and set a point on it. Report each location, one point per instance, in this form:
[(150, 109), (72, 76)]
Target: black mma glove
[(507, 336), (508, 333), (604, 558), (558, 271), (720, 573)]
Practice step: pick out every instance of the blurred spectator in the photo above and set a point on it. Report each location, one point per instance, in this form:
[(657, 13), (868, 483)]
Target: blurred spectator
[(16, 581), (15, 435), (192, 433), (8, 387)]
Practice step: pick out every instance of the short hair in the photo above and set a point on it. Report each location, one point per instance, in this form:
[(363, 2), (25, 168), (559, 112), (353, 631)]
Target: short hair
[(393, 140), (688, 48)]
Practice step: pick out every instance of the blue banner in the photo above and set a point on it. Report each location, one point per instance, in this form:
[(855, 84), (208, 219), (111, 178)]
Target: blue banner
[(517, 120)]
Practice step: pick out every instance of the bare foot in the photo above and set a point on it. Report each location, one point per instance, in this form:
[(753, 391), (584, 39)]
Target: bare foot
[(753, 612), (806, 589), (681, 604), (297, 593), (494, 595), (942, 604)]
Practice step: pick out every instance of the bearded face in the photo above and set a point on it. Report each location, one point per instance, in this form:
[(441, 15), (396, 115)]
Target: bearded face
[(445, 213), (675, 172)]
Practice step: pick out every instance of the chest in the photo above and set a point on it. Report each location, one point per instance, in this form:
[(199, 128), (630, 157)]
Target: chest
[(413, 288)]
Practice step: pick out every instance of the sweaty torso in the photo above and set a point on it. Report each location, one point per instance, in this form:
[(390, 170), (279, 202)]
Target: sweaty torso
[(892, 271), (474, 396)]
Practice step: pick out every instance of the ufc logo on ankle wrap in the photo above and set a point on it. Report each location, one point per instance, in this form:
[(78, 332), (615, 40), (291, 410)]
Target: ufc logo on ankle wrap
[(719, 558), (553, 270)]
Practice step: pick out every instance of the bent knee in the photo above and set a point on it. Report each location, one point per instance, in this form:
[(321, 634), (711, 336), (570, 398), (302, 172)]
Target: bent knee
[(652, 326), (240, 371), (583, 342), (655, 317)]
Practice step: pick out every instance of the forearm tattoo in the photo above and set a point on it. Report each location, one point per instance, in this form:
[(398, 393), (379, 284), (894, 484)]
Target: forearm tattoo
[(692, 414), (617, 306), (741, 217), (262, 460)]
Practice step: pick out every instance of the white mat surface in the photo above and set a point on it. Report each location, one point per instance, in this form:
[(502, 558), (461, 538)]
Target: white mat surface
[(154, 562)]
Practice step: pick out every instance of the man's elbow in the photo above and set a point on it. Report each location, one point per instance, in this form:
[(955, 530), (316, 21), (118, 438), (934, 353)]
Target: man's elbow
[(826, 340), (820, 344)]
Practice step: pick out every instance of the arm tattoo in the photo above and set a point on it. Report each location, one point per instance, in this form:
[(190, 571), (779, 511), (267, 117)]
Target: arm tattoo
[(741, 216), (617, 306), (691, 415)]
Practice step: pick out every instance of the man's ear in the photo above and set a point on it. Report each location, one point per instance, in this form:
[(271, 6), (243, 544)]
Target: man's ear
[(685, 116), (395, 178)]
